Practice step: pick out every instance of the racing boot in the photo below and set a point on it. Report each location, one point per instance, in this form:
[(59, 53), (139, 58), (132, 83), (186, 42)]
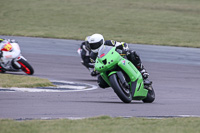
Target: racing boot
[(134, 57), (143, 71)]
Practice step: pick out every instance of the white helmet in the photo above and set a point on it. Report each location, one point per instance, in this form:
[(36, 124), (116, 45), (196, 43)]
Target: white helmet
[(96, 42)]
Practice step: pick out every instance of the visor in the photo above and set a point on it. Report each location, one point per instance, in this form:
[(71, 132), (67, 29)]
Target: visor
[(94, 46)]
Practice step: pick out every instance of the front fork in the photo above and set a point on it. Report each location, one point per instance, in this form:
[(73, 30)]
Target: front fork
[(16, 63), (119, 75), (122, 79)]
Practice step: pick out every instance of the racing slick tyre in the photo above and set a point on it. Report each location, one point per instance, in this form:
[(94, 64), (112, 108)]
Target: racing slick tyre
[(26, 67), (2, 70), (123, 93), (150, 96)]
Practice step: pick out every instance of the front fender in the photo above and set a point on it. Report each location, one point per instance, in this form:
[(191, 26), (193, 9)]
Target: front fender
[(21, 57), (105, 76), (111, 73)]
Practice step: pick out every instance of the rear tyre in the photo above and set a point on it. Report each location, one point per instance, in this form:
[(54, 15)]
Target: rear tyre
[(150, 96), (26, 67), (2, 70), (123, 93)]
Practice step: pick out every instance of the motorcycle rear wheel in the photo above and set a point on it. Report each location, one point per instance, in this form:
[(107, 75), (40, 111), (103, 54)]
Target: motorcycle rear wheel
[(150, 96), (26, 67), (2, 71), (123, 93)]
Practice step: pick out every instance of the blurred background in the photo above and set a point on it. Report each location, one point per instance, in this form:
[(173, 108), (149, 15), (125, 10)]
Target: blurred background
[(158, 22)]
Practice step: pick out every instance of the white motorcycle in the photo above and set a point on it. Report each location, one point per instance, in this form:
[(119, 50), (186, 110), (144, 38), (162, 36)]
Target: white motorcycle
[(11, 58)]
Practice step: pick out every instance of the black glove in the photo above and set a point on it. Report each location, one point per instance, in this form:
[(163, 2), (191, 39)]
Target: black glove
[(1, 54), (94, 73)]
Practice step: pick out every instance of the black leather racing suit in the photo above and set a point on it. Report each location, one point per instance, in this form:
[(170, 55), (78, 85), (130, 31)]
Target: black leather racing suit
[(85, 56)]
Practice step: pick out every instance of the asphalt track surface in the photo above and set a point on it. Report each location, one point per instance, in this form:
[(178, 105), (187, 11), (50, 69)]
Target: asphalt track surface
[(175, 73)]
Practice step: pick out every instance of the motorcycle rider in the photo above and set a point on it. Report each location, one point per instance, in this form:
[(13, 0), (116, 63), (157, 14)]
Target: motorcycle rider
[(8, 50), (97, 42), (85, 53)]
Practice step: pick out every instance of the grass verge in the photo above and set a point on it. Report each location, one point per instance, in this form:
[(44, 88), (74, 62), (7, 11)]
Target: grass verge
[(103, 124), (162, 22), (10, 80)]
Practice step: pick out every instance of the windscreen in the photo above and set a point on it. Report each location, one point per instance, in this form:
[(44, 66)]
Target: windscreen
[(104, 51)]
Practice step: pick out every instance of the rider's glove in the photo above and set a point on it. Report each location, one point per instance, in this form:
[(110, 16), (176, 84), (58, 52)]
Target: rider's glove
[(92, 61), (94, 73), (125, 46), (1, 54)]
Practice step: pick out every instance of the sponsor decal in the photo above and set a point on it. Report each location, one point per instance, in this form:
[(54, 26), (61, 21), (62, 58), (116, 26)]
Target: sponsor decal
[(7, 47), (8, 56), (102, 55), (123, 62)]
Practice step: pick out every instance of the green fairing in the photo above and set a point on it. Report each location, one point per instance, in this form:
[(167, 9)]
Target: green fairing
[(105, 77), (135, 76), (107, 61)]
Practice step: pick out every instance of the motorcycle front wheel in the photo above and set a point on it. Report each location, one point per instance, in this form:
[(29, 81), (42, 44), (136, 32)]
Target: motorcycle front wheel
[(26, 67), (123, 93)]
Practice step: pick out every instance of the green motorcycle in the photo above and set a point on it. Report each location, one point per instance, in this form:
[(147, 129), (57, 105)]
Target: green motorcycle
[(120, 74)]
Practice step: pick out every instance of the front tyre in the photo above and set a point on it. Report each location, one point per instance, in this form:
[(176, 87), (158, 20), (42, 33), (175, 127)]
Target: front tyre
[(123, 93), (150, 95), (26, 67)]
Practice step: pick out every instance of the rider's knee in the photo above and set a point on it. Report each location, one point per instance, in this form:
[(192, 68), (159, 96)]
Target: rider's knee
[(101, 82)]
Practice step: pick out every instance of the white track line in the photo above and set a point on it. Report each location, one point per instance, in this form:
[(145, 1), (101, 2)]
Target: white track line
[(72, 87)]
